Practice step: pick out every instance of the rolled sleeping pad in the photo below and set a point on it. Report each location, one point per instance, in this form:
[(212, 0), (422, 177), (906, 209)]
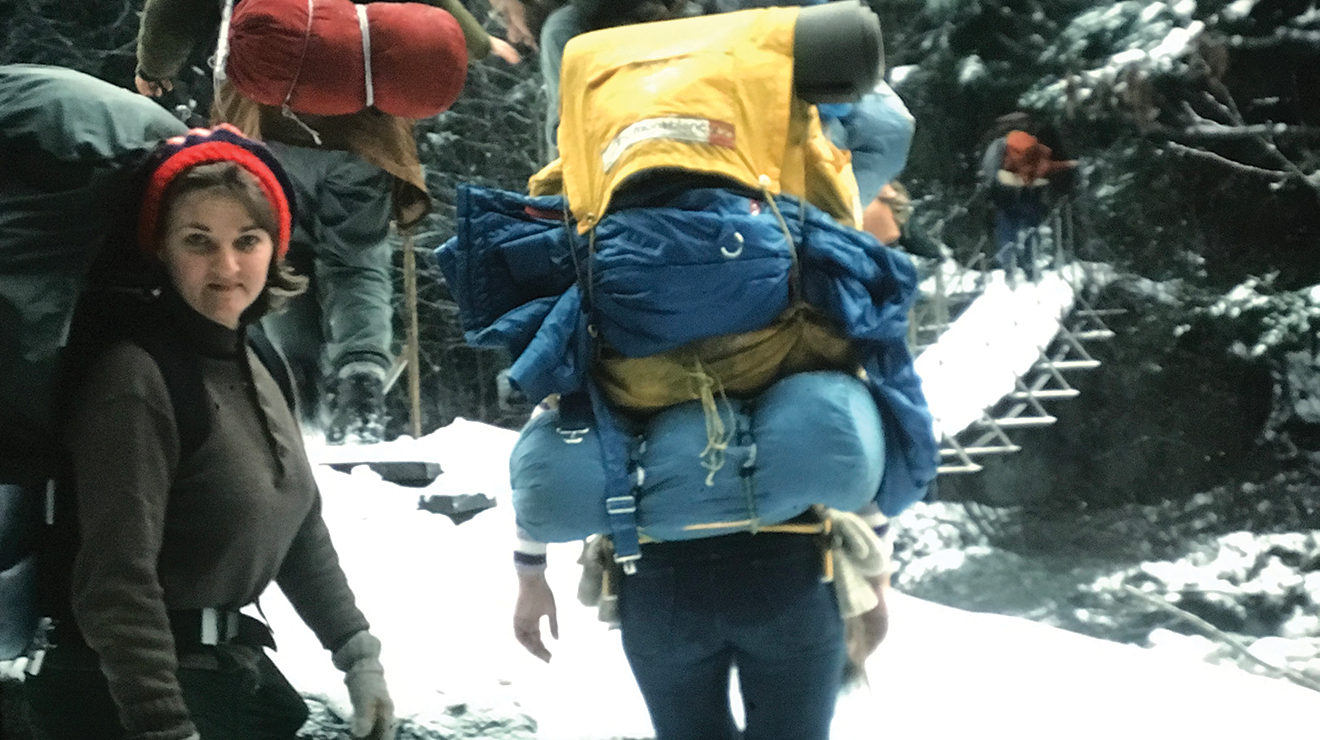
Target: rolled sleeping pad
[(812, 438), (838, 52)]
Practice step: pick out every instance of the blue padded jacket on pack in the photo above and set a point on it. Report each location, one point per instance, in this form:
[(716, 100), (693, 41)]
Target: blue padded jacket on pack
[(811, 438), (517, 266)]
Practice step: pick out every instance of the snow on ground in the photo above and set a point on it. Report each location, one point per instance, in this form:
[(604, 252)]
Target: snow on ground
[(441, 598)]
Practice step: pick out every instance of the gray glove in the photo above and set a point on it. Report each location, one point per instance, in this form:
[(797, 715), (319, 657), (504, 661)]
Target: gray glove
[(373, 709)]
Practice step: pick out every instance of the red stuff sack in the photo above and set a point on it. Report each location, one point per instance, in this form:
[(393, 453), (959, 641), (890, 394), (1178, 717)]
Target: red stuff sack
[(309, 55)]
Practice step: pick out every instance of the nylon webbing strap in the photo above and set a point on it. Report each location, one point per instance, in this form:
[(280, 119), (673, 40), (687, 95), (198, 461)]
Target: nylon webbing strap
[(307, 41), (366, 51), (221, 58), (620, 503)]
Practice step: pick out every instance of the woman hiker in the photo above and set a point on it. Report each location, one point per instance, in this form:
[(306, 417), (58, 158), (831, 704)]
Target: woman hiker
[(174, 541)]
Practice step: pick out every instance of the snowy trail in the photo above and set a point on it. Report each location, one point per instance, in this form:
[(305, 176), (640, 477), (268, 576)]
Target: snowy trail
[(441, 597)]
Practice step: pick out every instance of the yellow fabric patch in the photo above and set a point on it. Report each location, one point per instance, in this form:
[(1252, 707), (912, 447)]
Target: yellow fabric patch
[(711, 94)]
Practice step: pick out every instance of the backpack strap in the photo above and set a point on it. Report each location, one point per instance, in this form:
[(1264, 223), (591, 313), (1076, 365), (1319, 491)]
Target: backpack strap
[(270, 356), (182, 372)]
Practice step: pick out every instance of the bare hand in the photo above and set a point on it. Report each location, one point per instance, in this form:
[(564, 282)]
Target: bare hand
[(504, 50), (152, 89), (874, 624), (514, 17), (535, 600)]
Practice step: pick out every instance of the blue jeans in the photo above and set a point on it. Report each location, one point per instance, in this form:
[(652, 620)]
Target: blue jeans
[(695, 609), (1017, 231)]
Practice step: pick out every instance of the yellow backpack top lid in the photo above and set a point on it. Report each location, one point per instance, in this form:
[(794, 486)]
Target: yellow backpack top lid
[(711, 94)]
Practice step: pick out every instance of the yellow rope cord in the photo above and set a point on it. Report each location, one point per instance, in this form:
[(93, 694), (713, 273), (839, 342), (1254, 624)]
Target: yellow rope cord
[(816, 528)]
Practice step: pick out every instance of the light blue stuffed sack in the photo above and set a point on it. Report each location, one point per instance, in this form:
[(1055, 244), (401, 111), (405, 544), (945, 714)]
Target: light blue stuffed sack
[(812, 438)]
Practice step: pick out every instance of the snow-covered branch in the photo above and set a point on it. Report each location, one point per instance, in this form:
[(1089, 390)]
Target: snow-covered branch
[(1282, 36), (1188, 151)]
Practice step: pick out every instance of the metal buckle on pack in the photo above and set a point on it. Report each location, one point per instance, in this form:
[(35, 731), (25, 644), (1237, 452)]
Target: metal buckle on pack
[(40, 645), (628, 562), (214, 623), (621, 505), (573, 436)]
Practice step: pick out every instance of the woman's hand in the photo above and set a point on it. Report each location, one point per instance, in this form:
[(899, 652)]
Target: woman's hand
[(373, 709), (535, 600), (152, 88), (874, 624), (514, 17), (504, 50)]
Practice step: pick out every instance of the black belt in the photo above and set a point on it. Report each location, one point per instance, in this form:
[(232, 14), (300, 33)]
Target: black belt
[(194, 628)]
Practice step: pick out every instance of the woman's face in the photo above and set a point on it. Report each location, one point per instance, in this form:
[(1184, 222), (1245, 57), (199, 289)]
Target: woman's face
[(216, 255)]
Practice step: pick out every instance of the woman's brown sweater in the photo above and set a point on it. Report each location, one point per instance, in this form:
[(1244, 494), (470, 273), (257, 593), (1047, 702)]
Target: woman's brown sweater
[(212, 530)]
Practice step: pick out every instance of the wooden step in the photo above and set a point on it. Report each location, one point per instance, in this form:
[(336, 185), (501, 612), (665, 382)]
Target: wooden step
[(1071, 364), (1045, 394), (1088, 334), (1016, 422), (996, 450)]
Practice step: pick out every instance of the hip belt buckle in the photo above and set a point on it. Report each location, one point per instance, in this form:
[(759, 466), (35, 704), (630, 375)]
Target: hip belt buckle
[(218, 626)]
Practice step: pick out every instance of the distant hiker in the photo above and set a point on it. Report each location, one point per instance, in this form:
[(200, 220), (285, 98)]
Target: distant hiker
[(348, 170), (1018, 168), (177, 534)]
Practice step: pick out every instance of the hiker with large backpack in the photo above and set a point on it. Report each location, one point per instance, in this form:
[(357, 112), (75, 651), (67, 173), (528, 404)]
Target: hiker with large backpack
[(722, 352), (338, 112), (1021, 171), (188, 481)]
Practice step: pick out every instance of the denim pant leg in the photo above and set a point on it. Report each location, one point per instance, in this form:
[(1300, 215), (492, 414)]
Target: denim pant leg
[(1006, 236), (677, 654), (563, 24), (754, 601), (791, 658), (344, 215)]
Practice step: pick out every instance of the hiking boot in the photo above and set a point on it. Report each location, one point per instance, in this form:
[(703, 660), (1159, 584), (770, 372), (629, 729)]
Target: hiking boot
[(357, 409)]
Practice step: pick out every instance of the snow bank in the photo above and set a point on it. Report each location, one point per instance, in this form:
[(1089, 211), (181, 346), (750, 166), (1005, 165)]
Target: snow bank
[(441, 598)]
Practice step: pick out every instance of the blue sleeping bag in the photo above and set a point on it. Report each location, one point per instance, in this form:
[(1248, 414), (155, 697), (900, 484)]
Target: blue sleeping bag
[(656, 268), (811, 438)]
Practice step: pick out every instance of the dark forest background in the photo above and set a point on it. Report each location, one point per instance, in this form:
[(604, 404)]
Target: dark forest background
[(1198, 183)]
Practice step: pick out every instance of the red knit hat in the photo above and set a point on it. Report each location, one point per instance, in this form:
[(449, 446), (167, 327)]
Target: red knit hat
[(224, 143)]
